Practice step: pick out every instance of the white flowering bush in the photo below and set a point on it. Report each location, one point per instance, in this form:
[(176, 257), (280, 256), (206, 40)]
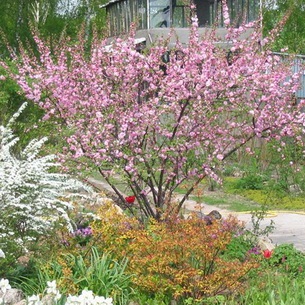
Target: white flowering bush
[(53, 296), (33, 197)]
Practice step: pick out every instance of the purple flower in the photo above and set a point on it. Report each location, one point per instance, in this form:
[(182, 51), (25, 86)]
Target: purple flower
[(82, 235), (255, 251), (83, 232)]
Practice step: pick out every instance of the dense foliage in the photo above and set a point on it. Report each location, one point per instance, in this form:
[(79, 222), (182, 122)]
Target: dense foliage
[(179, 258), (18, 18)]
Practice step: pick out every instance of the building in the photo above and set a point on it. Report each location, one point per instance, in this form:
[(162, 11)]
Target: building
[(155, 18)]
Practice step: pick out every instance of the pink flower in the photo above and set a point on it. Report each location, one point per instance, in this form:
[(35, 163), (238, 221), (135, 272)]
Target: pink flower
[(219, 157)]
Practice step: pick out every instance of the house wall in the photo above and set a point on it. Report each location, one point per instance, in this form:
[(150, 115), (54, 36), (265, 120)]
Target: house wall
[(181, 35), (155, 14)]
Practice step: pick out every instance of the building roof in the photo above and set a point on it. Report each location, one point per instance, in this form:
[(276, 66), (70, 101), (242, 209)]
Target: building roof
[(108, 3)]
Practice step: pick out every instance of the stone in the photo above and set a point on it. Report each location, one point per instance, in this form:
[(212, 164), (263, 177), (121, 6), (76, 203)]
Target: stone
[(265, 243), (12, 296), (22, 302), (208, 218)]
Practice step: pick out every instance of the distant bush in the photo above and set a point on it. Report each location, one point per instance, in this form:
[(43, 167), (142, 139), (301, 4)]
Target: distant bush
[(251, 182)]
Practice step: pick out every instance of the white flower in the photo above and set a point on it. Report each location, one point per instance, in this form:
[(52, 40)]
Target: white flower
[(34, 300), (102, 301), (57, 296), (4, 285), (86, 297), (73, 300), (52, 290), (28, 185), (51, 287)]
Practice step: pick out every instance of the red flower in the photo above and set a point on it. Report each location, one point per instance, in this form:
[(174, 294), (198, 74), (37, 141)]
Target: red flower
[(130, 199), (267, 253)]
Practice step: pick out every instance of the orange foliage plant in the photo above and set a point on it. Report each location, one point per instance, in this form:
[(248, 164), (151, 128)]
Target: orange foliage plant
[(179, 258)]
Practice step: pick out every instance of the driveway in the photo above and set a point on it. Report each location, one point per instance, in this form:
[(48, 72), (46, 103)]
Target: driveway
[(289, 226)]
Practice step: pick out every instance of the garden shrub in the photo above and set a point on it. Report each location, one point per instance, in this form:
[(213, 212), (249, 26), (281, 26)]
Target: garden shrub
[(177, 258), (251, 182), (34, 198), (238, 248), (111, 231), (286, 258)]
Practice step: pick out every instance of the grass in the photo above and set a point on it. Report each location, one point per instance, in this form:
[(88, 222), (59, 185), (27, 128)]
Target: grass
[(231, 203), (230, 197), (272, 289)]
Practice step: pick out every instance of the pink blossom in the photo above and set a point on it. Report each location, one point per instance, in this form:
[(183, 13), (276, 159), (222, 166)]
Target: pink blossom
[(128, 116), (219, 156)]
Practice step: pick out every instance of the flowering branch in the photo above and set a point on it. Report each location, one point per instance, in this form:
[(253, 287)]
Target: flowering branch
[(159, 124)]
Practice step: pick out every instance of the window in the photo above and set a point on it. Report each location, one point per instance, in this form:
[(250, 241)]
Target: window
[(209, 11), (160, 14)]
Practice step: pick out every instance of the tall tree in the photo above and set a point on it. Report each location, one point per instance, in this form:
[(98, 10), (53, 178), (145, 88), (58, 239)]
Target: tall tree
[(292, 36), (49, 17), (158, 124)]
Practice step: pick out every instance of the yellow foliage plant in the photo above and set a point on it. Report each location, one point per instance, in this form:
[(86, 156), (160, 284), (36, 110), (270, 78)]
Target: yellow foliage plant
[(180, 258)]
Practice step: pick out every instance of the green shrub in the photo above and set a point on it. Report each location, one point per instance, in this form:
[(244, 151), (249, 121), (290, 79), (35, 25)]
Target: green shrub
[(251, 182), (288, 259), (238, 248)]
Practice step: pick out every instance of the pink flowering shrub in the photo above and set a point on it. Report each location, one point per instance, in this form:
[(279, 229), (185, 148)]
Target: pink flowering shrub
[(157, 123)]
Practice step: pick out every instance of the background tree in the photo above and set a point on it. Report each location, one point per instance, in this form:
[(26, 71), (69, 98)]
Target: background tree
[(292, 35), (50, 17)]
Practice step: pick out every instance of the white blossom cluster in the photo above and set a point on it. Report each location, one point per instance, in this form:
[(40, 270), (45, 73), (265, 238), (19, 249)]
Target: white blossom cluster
[(32, 197), (4, 287), (85, 298)]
